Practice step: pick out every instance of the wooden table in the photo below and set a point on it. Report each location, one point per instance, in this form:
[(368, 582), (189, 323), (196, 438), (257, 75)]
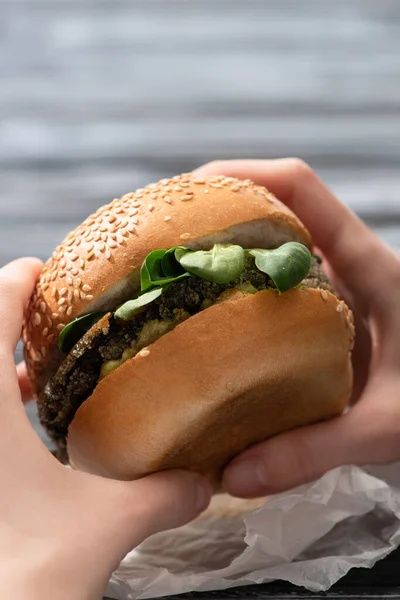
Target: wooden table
[(100, 97)]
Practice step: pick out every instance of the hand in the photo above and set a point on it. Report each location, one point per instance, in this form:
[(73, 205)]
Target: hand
[(366, 273), (63, 532)]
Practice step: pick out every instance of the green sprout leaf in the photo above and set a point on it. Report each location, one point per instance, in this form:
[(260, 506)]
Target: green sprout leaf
[(129, 309), (73, 332), (221, 264), (287, 265), (160, 268)]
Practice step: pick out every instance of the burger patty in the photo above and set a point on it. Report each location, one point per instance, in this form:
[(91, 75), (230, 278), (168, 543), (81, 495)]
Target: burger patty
[(112, 341)]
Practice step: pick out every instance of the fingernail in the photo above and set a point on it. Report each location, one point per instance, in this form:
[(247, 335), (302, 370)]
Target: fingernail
[(246, 478), (204, 493)]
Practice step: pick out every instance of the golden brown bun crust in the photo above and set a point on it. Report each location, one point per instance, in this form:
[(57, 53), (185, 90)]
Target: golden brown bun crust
[(111, 245), (228, 377)]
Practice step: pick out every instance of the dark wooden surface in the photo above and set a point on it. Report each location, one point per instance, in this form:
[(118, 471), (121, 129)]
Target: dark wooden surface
[(98, 97)]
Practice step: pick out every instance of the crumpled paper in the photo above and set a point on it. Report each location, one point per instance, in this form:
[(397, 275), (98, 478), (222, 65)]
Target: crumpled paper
[(310, 536)]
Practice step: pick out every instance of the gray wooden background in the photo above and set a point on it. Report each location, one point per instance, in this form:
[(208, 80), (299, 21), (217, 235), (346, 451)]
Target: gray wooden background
[(98, 97)]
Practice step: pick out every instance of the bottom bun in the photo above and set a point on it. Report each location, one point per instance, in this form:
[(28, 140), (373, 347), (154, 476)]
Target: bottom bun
[(230, 376)]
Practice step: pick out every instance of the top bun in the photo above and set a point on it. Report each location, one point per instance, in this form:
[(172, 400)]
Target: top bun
[(98, 265)]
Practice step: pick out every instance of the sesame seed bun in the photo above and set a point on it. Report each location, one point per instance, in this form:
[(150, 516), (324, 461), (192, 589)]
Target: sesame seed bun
[(228, 377), (98, 263)]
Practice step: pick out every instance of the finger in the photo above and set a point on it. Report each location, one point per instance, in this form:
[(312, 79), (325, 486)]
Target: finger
[(360, 258), (156, 503), (17, 280), (24, 383), (171, 499), (301, 456)]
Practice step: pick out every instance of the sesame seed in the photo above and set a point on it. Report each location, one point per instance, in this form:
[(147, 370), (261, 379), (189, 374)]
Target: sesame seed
[(168, 199), (140, 191), (134, 220), (111, 218), (167, 218), (185, 236), (70, 242), (324, 295), (89, 238), (97, 236), (63, 291), (187, 197), (70, 295), (74, 272), (136, 204), (120, 239), (45, 331), (150, 207), (62, 263), (76, 293), (61, 274), (216, 185), (44, 351), (144, 353), (69, 311), (54, 316), (104, 237), (90, 256), (62, 309), (339, 308), (235, 188), (62, 301), (43, 306), (74, 257), (185, 184), (60, 326), (54, 276), (112, 244), (45, 286), (133, 212), (70, 281), (89, 297), (178, 188), (199, 180), (83, 295), (153, 196), (131, 228), (86, 287), (37, 319), (51, 337), (119, 211), (206, 191)]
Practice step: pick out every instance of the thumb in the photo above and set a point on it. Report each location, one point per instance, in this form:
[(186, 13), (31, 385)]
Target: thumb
[(170, 499), (300, 456), (159, 502)]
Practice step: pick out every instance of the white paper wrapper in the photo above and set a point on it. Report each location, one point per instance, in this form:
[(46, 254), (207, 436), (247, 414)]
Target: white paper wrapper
[(311, 537)]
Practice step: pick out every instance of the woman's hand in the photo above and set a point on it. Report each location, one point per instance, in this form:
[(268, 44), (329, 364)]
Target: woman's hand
[(366, 273), (63, 532)]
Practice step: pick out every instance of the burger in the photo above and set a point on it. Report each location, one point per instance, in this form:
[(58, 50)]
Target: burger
[(180, 324)]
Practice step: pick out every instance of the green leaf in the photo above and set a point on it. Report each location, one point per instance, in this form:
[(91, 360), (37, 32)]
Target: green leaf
[(160, 268), (221, 264), (128, 310), (170, 265), (72, 333), (287, 265)]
